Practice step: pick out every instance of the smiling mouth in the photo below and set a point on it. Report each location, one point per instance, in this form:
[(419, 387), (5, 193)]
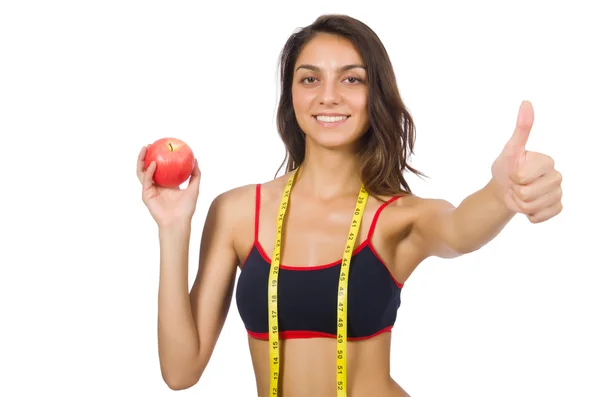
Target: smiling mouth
[(330, 119)]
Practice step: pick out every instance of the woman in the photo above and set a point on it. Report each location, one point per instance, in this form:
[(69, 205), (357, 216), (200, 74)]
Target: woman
[(346, 131)]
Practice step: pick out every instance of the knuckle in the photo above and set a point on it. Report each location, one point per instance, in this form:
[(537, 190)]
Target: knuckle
[(559, 177), (559, 194), (526, 208), (523, 193), (539, 217), (559, 208), (521, 176), (533, 219)]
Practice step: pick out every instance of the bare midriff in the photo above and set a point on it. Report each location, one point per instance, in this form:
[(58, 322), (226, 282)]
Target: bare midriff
[(308, 368)]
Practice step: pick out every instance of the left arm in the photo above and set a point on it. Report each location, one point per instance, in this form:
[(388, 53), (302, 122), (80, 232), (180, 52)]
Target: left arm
[(522, 182), (449, 231)]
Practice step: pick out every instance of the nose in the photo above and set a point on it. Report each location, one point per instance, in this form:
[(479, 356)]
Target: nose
[(329, 93)]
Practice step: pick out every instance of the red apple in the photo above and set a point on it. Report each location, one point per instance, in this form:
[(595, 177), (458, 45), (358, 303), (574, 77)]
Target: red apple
[(174, 161)]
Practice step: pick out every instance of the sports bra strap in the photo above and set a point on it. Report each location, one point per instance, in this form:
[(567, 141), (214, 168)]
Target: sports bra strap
[(257, 213), (371, 229), (377, 213)]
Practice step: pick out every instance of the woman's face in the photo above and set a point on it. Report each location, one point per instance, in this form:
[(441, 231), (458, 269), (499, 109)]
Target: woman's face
[(330, 92)]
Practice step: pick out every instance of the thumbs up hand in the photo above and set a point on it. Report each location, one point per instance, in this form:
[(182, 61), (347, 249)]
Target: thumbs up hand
[(525, 181)]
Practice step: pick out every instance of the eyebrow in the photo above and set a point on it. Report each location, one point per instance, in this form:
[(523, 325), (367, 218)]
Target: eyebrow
[(340, 69)]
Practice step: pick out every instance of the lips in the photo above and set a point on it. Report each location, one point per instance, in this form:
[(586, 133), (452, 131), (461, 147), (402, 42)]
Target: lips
[(330, 121)]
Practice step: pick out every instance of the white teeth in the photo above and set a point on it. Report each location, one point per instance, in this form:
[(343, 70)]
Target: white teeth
[(330, 119)]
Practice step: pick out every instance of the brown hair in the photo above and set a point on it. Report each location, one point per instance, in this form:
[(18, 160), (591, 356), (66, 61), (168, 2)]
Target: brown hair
[(389, 140)]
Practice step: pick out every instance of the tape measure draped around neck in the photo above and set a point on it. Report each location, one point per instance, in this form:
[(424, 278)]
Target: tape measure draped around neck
[(342, 290)]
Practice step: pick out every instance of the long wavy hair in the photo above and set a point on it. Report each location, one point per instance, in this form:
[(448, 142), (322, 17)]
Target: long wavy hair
[(389, 141)]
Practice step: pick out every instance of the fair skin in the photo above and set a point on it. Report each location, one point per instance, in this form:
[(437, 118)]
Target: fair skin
[(323, 199)]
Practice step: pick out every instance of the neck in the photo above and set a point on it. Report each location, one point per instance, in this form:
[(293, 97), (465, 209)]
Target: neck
[(326, 174)]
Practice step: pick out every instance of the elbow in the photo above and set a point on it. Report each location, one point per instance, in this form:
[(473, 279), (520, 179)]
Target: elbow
[(181, 380), (177, 386)]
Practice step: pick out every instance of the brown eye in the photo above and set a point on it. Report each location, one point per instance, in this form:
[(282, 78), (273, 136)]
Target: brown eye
[(308, 78)]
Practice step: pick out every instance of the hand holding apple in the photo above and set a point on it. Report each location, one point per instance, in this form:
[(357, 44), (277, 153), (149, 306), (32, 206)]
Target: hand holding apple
[(161, 168), (527, 182)]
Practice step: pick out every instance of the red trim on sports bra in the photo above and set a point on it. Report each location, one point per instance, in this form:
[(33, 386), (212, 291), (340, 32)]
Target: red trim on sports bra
[(312, 334), (257, 213), (376, 216), (370, 235)]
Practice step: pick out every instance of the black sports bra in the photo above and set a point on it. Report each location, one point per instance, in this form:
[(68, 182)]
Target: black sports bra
[(307, 296)]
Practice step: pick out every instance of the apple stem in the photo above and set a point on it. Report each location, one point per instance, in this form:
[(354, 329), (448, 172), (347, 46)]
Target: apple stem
[(170, 147)]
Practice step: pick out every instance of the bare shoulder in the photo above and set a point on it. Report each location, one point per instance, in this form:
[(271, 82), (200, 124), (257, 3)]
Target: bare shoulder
[(401, 242), (233, 205), (242, 199), (412, 214), (236, 196), (409, 207), (408, 216), (422, 207), (273, 189), (236, 210), (425, 220)]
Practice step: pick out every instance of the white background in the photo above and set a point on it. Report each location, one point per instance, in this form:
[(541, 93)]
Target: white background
[(83, 85)]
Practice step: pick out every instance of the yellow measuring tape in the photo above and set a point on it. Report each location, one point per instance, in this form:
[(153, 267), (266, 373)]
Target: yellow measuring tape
[(342, 290)]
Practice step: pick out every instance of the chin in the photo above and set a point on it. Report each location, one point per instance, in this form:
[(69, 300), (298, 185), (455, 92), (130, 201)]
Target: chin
[(332, 140)]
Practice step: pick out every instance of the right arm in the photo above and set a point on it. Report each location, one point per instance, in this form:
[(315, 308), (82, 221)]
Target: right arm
[(189, 324)]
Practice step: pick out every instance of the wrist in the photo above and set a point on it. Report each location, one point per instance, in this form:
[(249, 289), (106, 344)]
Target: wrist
[(177, 227), (497, 195)]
